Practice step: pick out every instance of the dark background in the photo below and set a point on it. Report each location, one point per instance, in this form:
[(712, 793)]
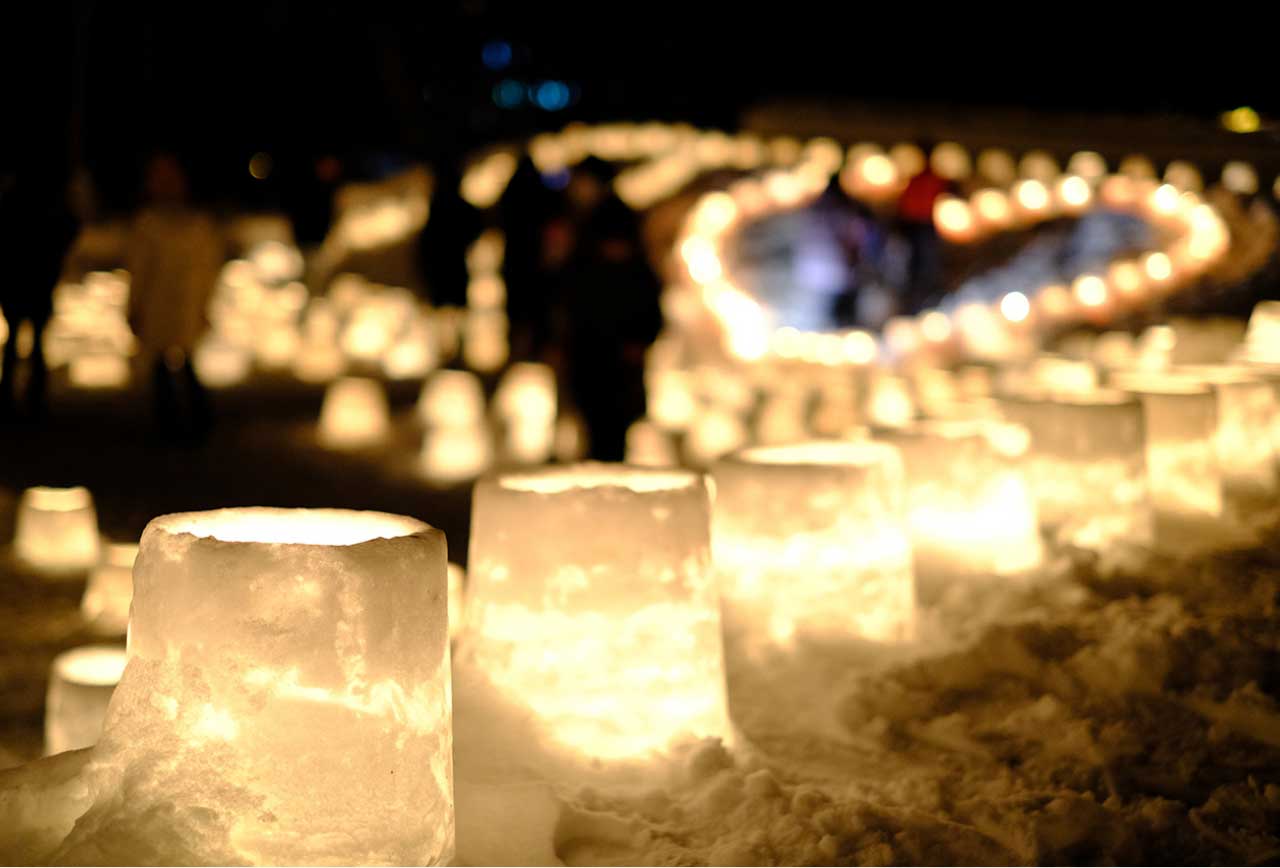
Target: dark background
[(378, 85)]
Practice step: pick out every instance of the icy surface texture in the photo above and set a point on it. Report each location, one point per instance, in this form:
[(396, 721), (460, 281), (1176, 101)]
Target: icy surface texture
[(810, 543), (591, 601), (57, 530), (287, 697), (1087, 466), (969, 511)]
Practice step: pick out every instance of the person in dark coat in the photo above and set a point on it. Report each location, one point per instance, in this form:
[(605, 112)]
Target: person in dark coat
[(453, 224), (610, 315)]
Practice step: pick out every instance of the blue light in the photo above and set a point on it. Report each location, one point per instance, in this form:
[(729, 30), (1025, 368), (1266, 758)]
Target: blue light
[(508, 94), (496, 55), (551, 96), (557, 180)]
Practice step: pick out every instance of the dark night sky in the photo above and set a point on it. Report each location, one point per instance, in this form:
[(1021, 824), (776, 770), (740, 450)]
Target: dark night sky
[(220, 81)]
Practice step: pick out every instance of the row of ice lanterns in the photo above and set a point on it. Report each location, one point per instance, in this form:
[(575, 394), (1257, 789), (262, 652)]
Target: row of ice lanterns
[(1197, 239)]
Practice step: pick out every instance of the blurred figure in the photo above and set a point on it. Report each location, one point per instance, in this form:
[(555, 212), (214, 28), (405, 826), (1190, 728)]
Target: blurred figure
[(915, 219), (174, 256), (38, 229), (610, 314), (525, 215), (452, 225)]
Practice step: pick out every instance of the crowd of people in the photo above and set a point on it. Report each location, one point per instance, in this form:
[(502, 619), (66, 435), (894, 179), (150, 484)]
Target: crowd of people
[(581, 294)]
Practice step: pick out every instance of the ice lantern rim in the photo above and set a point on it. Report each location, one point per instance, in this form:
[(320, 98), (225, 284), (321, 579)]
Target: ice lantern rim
[(49, 498), (815, 454), (292, 527), (592, 475)]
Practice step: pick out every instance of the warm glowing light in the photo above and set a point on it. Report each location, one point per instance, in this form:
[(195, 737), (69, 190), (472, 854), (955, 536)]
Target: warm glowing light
[(1038, 166), (1183, 175), (1089, 165), (1164, 200), (997, 167), (859, 347), (701, 259), (1074, 192), (992, 207), (1240, 178), (1032, 196), (56, 530), (280, 657), (951, 161), (953, 218), (1090, 290), (1157, 266), (1015, 307), (1126, 277), (907, 158), (1242, 120), (1086, 465), (610, 638), (354, 414), (935, 326), (785, 523), (968, 511), (105, 605), (81, 682)]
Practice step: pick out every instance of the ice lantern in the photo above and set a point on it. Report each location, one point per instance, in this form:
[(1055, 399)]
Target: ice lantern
[(80, 684), (611, 636), (1086, 465), (288, 680), (105, 605), (968, 509), (354, 414), (810, 543), (57, 530)]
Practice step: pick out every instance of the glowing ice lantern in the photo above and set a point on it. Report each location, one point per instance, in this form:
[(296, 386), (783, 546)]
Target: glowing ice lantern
[(291, 669), (453, 398), (105, 605), (1181, 419), (1086, 465), (968, 510), (526, 400), (810, 542), (611, 638), (354, 414), (57, 530), (80, 685)]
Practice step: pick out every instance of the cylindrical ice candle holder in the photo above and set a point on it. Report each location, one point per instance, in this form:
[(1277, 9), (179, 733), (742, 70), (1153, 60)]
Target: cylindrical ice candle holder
[(1086, 465), (1246, 411), (354, 414), (591, 601), (80, 684), (289, 677), (810, 542), (969, 511), (105, 605), (57, 530)]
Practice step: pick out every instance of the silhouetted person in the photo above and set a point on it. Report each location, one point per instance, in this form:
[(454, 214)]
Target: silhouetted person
[(525, 214), (37, 228), (611, 314), (915, 217), (175, 254), (452, 225)]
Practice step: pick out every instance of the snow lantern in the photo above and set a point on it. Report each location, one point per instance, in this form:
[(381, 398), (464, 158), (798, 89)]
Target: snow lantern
[(354, 414), (105, 605), (57, 530), (591, 601), (810, 543), (289, 683), (969, 510), (80, 685), (1086, 465)]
